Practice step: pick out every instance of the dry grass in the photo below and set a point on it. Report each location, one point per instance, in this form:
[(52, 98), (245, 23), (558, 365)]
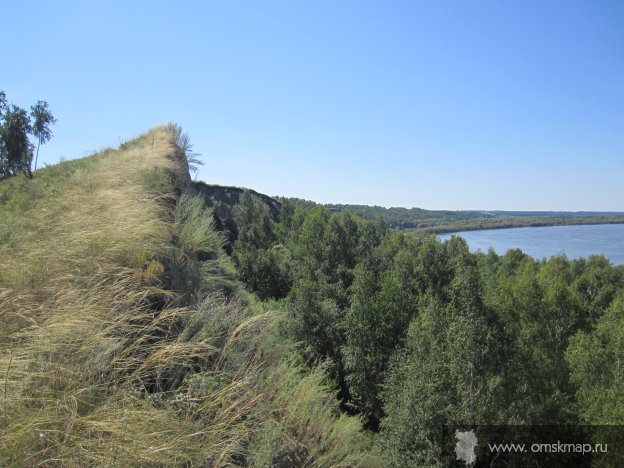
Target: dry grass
[(101, 363), (73, 293)]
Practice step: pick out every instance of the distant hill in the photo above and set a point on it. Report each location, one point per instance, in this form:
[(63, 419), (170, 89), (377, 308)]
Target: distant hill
[(440, 221), (408, 218), (223, 198), (557, 214)]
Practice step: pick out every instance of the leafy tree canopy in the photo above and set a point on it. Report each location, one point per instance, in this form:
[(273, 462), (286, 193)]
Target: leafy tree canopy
[(16, 150)]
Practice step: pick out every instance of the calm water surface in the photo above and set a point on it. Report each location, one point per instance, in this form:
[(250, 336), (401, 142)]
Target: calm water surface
[(540, 242)]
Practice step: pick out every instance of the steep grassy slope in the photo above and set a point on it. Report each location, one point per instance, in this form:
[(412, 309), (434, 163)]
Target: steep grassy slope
[(124, 342)]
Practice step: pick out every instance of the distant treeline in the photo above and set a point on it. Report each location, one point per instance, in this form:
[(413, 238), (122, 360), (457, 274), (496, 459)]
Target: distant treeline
[(514, 222), (409, 218), (440, 221)]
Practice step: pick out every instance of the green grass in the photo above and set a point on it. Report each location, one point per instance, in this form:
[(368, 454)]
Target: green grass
[(125, 339)]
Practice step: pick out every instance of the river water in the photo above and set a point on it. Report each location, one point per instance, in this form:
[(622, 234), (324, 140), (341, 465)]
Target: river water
[(540, 242)]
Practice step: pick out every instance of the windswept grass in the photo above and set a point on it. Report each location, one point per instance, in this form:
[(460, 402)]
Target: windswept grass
[(123, 339)]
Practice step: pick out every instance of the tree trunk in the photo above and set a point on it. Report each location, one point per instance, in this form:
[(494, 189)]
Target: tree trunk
[(36, 157)]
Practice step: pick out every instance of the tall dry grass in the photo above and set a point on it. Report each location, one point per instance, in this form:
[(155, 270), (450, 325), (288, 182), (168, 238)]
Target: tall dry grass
[(108, 358), (73, 293)]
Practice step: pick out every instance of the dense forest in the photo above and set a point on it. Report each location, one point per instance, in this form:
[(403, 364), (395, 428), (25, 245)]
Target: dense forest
[(420, 336)]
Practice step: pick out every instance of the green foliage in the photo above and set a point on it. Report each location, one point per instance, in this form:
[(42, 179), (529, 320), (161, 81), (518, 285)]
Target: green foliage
[(407, 218), (310, 245), (506, 221), (42, 119), (267, 272), (450, 373), (157, 180), (596, 360), (266, 268), (196, 245), (595, 283), (431, 221), (315, 323), (375, 325), (255, 226), (487, 333), (327, 250), (195, 227), (16, 150), (390, 286)]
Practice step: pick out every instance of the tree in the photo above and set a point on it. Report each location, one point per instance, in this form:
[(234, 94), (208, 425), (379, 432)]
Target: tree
[(540, 312), (16, 150), (4, 107), (448, 375), (310, 243), (316, 324), (254, 223), (3, 103), (596, 361), (42, 119), (267, 269), (383, 303)]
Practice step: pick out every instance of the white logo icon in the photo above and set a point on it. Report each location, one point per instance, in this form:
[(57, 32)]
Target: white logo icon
[(464, 448)]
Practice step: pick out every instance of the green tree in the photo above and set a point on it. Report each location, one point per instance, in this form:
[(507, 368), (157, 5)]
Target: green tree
[(4, 162), (596, 361), (254, 223), (316, 323), (310, 243), (286, 224), (449, 374), (383, 303), (595, 284), (4, 105), (266, 268), (540, 312), (17, 151), (267, 272), (42, 119)]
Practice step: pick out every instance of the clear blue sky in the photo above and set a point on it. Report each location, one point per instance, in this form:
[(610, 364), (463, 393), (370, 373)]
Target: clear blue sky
[(438, 104)]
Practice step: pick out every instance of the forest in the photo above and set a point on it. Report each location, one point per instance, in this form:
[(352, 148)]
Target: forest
[(421, 336), (436, 221)]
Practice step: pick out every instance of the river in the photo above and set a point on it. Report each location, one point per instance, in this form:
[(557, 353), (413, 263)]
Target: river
[(539, 242)]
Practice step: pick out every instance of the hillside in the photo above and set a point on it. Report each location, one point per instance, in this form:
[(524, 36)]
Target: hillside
[(125, 337)]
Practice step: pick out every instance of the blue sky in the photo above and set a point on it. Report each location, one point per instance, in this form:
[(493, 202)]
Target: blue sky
[(437, 104)]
